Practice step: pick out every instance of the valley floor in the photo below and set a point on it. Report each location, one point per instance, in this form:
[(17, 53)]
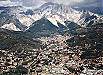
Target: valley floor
[(52, 58)]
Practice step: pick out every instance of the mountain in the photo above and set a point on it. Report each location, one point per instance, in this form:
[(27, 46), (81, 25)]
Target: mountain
[(42, 27), (86, 18), (72, 27), (10, 26), (59, 13), (96, 10), (59, 17), (10, 22), (16, 41), (55, 13)]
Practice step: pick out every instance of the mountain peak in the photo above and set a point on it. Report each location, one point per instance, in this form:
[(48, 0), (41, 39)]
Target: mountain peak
[(53, 12)]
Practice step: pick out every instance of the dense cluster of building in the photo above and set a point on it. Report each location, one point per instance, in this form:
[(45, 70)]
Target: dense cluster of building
[(53, 58)]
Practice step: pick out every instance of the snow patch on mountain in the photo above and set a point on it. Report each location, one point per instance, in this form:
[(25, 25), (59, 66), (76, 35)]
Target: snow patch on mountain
[(25, 20), (53, 21), (10, 26)]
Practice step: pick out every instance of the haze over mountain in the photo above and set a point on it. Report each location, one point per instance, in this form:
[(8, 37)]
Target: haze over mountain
[(94, 6), (80, 3), (20, 19)]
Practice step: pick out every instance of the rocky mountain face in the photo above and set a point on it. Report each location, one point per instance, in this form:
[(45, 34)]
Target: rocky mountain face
[(23, 19), (8, 18), (93, 9)]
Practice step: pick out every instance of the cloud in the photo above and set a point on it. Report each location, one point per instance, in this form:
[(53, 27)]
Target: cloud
[(89, 3), (86, 3), (67, 2), (9, 3), (30, 3)]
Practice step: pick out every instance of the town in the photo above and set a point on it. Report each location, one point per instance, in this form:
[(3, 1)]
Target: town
[(52, 58)]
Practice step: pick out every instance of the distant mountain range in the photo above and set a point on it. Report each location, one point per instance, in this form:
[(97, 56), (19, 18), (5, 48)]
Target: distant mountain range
[(96, 10), (47, 19)]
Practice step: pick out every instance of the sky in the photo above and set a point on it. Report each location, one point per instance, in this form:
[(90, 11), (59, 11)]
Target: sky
[(84, 3)]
